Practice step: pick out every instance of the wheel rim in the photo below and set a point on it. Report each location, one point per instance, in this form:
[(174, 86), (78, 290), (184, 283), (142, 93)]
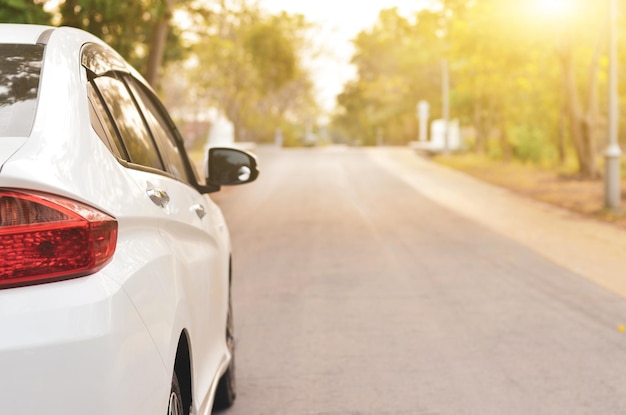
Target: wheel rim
[(175, 407)]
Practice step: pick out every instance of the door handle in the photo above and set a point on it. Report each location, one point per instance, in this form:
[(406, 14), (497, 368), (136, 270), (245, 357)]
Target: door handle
[(159, 197), (199, 209)]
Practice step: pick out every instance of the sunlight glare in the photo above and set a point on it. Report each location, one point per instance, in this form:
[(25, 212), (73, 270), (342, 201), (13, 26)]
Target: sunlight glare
[(558, 8)]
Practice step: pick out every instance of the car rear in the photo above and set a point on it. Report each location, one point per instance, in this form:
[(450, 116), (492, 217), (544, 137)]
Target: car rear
[(72, 340)]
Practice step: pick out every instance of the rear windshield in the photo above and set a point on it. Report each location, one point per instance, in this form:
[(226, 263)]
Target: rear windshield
[(20, 70)]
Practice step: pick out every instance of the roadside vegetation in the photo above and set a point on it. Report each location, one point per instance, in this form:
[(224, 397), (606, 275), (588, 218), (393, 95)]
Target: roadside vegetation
[(528, 82), (560, 186), (228, 56), (528, 79)]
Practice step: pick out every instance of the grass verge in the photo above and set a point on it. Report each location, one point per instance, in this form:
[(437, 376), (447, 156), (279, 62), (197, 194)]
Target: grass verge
[(560, 188)]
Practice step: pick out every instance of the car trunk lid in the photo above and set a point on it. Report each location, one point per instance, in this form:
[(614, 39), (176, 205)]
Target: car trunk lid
[(8, 147)]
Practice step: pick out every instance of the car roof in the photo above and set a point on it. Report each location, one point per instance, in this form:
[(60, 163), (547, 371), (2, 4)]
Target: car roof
[(67, 39), (24, 33)]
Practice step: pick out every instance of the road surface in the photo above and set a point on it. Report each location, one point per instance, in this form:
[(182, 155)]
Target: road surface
[(356, 293)]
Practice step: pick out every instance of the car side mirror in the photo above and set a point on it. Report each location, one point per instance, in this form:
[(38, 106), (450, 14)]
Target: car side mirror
[(229, 167)]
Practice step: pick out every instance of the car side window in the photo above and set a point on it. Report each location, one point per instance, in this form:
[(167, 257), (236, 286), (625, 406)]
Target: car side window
[(103, 125), (161, 131), (132, 130)]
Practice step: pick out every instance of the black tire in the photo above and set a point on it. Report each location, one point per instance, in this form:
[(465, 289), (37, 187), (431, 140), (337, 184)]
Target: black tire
[(175, 405), (227, 387)]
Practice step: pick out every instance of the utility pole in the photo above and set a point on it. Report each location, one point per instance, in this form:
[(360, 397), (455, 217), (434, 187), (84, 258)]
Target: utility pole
[(612, 155), (445, 99)]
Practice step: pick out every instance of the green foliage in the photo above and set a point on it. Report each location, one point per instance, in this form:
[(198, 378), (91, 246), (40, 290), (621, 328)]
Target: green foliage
[(396, 67), (23, 11), (506, 70), (528, 143), (125, 25), (273, 54), (249, 67)]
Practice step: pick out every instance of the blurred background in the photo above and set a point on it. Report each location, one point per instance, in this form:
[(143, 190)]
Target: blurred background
[(516, 88), (370, 278)]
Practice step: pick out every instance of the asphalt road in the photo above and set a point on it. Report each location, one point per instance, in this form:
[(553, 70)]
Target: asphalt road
[(355, 293)]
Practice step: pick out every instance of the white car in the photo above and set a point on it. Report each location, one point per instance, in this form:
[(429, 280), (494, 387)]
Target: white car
[(114, 262)]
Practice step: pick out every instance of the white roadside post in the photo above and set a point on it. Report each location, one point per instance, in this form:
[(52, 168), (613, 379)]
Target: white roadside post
[(278, 138), (423, 110), (613, 152)]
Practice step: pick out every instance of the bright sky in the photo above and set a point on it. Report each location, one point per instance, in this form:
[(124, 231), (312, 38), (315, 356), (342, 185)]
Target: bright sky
[(339, 21), (555, 7)]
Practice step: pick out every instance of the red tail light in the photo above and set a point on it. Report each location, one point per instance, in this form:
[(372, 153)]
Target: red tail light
[(46, 238)]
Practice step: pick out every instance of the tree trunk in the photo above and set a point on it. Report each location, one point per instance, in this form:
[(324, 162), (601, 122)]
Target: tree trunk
[(562, 133), (157, 44), (480, 146), (505, 145), (590, 121), (582, 124)]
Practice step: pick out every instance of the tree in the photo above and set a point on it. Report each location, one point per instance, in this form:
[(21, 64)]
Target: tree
[(249, 67), (157, 43), (24, 11), (494, 70), (398, 63), (515, 75), (138, 30), (583, 118)]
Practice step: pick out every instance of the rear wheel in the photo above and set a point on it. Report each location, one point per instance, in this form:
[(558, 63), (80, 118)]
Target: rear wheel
[(175, 406), (226, 388)]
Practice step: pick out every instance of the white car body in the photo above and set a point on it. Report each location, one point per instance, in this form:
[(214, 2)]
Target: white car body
[(107, 343)]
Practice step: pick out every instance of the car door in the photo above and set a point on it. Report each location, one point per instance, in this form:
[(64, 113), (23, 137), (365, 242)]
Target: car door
[(212, 253), (189, 292)]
